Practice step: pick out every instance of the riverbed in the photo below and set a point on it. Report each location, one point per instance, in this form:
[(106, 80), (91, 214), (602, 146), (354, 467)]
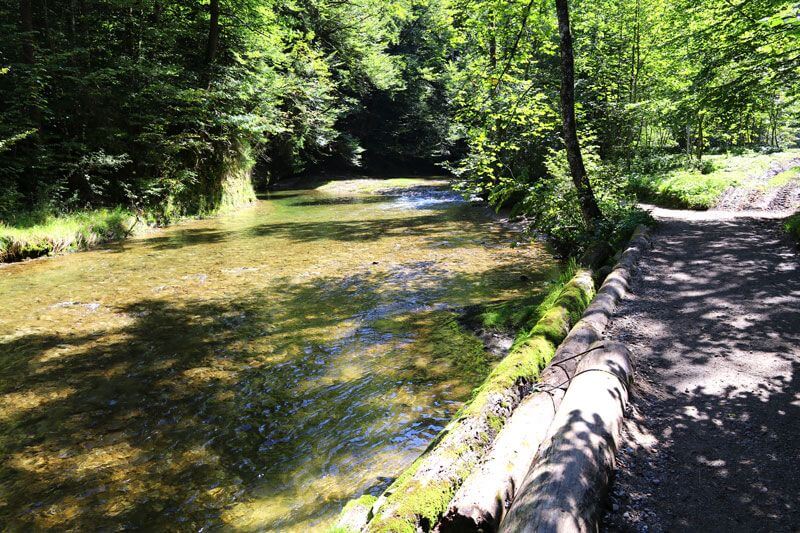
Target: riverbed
[(252, 371)]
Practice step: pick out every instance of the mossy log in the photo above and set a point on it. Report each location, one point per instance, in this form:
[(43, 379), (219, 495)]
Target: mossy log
[(419, 497), (565, 488), (482, 500), (355, 515)]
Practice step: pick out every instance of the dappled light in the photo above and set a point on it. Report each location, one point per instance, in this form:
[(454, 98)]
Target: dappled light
[(712, 442), (252, 371)]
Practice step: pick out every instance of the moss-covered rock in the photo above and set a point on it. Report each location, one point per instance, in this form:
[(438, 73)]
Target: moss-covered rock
[(224, 183)]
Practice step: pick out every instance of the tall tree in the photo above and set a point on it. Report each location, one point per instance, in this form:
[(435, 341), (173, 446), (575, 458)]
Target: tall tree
[(212, 43), (589, 208)]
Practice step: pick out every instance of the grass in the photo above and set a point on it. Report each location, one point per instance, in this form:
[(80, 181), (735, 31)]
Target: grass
[(783, 178), (701, 188), (41, 233), (792, 226)]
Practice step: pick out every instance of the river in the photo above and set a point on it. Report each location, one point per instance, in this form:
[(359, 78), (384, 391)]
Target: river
[(251, 371)]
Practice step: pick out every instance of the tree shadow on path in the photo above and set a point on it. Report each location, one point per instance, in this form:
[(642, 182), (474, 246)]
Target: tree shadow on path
[(714, 324)]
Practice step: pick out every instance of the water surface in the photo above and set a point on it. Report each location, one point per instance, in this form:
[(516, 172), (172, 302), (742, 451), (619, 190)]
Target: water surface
[(252, 371)]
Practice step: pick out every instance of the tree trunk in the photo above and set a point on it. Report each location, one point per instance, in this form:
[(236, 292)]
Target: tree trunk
[(700, 138), (213, 40), (26, 18), (589, 209), (566, 485)]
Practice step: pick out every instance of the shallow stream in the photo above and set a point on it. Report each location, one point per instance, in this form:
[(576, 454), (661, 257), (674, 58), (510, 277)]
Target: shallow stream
[(252, 371)]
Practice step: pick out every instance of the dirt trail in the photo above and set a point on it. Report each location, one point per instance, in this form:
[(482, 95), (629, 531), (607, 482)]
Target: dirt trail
[(712, 439), (756, 194)]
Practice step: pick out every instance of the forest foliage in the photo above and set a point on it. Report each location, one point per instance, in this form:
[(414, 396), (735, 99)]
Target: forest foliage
[(155, 106)]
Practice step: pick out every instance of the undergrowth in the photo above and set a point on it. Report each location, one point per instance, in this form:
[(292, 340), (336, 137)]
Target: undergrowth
[(670, 182), (792, 226), (38, 233)]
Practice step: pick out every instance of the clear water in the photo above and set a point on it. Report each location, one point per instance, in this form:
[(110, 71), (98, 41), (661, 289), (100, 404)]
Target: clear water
[(252, 371)]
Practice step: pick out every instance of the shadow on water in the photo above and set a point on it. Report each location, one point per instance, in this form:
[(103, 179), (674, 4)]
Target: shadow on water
[(249, 412), (345, 200), (442, 204), (178, 399)]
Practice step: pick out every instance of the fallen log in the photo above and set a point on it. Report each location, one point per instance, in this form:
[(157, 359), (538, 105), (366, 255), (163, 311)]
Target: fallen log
[(565, 488), (419, 497), (482, 500), (484, 497)]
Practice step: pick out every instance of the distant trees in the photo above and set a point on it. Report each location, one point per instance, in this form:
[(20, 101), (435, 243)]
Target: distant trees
[(149, 102), (152, 102)]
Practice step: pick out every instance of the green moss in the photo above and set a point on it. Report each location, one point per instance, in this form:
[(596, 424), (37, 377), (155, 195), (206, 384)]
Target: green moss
[(528, 359), (352, 513), (463, 349), (223, 184), (414, 503), (237, 182)]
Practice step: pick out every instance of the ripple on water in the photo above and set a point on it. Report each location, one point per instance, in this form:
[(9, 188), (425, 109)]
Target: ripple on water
[(252, 371)]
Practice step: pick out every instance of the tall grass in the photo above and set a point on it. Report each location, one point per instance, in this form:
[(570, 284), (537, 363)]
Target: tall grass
[(40, 233)]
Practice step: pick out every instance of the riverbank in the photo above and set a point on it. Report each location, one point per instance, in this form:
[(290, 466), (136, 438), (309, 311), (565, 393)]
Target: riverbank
[(37, 234), (475, 465), (45, 233), (421, 494)]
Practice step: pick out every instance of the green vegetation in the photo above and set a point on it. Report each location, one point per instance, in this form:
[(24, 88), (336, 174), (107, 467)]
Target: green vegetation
[(181, 109), (562, 113), (37, 234), (700, 187), (785, 177), (689, 189), (157, 105), (520, 316), (420, 498), (792, 226)]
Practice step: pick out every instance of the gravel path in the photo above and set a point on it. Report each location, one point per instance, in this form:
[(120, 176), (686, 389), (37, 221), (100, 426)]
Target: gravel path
[(712, 442)]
